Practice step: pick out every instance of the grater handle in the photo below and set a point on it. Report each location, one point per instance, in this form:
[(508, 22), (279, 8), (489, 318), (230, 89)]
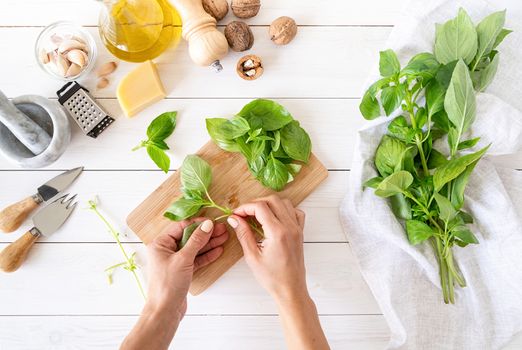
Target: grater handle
[(67, 91)]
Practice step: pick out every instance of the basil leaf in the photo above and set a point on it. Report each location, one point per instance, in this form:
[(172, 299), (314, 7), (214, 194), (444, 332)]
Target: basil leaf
[(187, 232), (468, 143), (435, 94), (459, 103), (401, 207), (159, 157), (275, 175), (277, 141), (233, 128), (215, 132), (501, 36), (296, 142), (454, 168), (418, 231), (196, 174), (183, 209), (391, 98), (389, 63), (423, 65), (389, 155), (487, 74), (459, 185), (465, 217), (294, 169), (373, 182), (464, 235), (162, 126), (265, 114), (436, 159), (159, 144), (446, 210), (369, 106), (456, 39), (445, 73), (394, 184), (400, 129), (488, 31)]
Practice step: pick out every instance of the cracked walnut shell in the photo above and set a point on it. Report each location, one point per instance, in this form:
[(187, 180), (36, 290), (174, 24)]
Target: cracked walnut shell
[(249, 67)]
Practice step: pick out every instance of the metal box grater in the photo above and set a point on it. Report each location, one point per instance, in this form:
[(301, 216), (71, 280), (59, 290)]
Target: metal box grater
[(82, 107)]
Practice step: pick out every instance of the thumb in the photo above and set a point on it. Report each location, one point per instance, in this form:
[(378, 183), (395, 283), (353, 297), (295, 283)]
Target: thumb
[(199, 238), (244, 235)]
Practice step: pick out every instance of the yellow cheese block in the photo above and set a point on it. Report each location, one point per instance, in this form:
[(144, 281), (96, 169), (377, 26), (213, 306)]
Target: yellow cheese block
[(140, 88)]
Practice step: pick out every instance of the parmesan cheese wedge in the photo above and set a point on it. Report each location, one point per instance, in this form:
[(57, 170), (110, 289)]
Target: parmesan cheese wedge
[(140, 88)]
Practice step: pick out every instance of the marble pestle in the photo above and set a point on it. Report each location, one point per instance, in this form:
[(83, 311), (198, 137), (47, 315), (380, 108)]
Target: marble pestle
[(30, 134)]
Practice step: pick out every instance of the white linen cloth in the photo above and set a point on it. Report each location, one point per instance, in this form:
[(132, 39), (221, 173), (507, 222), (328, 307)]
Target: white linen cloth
[(404, 278)]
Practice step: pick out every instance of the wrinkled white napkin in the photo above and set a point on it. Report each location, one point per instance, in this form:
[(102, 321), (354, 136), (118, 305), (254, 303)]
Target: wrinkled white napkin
[(405, 278)]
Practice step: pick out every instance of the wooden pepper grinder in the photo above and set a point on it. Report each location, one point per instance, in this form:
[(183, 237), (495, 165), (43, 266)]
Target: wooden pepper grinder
[(207, 45)]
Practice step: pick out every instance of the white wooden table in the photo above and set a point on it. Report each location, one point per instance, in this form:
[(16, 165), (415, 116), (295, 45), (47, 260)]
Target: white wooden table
[(60, 298)]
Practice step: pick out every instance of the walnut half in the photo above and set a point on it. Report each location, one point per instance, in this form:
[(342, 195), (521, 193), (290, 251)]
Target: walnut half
[(249, 67)]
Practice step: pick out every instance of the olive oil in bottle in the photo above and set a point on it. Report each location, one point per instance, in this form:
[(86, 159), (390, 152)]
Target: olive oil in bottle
[(138, 30)]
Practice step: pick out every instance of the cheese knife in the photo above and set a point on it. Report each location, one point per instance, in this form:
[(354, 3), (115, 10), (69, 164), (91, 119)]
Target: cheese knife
[(12, 217), (46, 222)]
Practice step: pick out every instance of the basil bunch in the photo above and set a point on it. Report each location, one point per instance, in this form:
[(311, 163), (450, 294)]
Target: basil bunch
[(434, 97), (268, 137), (157, 132)]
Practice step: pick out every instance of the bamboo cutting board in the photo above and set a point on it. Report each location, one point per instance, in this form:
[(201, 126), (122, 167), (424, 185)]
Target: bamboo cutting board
[(232, 185)]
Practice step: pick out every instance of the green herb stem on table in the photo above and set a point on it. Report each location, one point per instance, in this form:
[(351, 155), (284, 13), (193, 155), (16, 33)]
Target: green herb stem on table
[(129, 263), (434, 95)]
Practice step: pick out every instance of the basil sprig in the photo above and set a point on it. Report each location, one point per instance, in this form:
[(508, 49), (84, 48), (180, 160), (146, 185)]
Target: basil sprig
[(268, 137), (433, 97), (157, 132)]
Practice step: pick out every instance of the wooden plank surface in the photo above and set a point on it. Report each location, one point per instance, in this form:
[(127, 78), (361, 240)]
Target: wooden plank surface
[(232, 185), (73, 282)]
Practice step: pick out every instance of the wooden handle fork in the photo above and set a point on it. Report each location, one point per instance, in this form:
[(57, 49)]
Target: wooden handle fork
[(12, 217), (12, 257)]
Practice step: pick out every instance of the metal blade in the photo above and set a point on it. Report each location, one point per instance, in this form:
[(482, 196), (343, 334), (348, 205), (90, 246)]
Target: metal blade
[(50, 218), (58, 183)]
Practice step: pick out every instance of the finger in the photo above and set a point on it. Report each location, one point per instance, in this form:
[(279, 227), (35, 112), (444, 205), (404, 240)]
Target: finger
[(291, 210), (301, 216), (260, 210), (277, 206), (214, 242), (245, 235), (165, 242), (175, 229), (219, 229), (198, 239), (207, 258)]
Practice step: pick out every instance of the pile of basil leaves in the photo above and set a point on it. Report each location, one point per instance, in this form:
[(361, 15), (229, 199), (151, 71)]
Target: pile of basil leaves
[(272, 142)]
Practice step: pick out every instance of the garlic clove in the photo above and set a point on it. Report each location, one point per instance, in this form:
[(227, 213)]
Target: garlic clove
[(73, 70), (71, 44), (43, 56), (61, 65), (77, 57), (56, 39), (106, 69), (102, 83)]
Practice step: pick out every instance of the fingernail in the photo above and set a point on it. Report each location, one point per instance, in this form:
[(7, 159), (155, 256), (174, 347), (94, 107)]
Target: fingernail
[(206, 226), (232, 222)]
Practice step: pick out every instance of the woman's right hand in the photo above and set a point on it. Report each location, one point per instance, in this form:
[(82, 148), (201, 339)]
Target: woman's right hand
[(278, 261)]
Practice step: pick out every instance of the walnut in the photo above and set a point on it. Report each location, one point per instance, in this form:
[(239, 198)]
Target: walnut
[(249, 67), (239, 36), (245, 8), (216, 8), (282, 30)]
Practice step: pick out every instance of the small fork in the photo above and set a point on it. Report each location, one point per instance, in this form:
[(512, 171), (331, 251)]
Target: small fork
[(46, 222)]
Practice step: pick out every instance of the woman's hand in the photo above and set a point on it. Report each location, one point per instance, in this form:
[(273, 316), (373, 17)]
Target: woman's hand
[(170, 275), (278, 265), (170, 271), (278, 261)]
